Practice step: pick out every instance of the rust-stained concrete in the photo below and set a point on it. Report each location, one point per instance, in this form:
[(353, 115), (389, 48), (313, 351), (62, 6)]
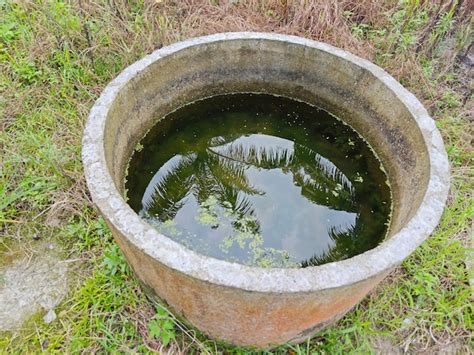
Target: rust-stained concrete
[(248, 305)]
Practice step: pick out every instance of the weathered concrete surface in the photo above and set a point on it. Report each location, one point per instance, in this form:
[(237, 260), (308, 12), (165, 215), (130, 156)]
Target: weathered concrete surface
[(31, 282), (248, 305)]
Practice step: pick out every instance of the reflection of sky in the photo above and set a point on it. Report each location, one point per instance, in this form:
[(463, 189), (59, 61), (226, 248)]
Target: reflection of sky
[(276, 146), (289, 221), (259, 141)]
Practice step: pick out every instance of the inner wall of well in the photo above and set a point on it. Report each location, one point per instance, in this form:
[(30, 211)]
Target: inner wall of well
[(263, 66)]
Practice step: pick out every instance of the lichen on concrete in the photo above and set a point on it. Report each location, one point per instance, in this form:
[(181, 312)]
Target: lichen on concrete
[(34, 281)]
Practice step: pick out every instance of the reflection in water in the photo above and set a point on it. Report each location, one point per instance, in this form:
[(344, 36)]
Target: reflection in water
[(243, 178)]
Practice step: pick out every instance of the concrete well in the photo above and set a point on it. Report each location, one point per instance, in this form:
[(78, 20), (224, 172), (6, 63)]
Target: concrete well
[(251, 306)]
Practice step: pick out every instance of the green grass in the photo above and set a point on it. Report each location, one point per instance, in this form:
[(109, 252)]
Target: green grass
[(55, 58)]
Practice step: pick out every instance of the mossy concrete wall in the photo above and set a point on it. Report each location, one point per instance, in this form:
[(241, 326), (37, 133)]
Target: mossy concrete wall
[(248, 305)]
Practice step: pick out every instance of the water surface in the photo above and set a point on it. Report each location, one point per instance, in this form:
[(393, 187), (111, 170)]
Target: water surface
[(260, 180)]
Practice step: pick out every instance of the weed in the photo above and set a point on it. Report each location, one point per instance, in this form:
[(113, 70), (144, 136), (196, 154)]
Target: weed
[(162, 326), (114, 261)]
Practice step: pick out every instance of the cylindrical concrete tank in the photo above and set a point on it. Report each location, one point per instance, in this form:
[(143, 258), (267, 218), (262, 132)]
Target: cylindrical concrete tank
[(252, 306)]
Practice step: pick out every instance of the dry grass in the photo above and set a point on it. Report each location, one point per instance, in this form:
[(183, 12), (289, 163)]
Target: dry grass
[(328, 21)]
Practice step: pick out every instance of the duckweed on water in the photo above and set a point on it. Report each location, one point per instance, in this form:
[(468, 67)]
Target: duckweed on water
[(260, 180)]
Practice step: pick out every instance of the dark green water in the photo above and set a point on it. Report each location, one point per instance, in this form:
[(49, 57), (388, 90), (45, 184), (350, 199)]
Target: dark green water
[(260, 180)]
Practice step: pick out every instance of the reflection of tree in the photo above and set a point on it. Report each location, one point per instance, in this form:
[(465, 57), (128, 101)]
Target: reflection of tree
[(321, 181), (345, 243), (171, 189), (218, 170), (202, 174)]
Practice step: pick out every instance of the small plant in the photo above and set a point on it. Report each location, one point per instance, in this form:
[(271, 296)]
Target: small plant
[(162, 326), (449, 100), (114, 261)]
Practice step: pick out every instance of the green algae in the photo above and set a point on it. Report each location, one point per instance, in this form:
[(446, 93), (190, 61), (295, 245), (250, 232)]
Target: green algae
[(260, 180)]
